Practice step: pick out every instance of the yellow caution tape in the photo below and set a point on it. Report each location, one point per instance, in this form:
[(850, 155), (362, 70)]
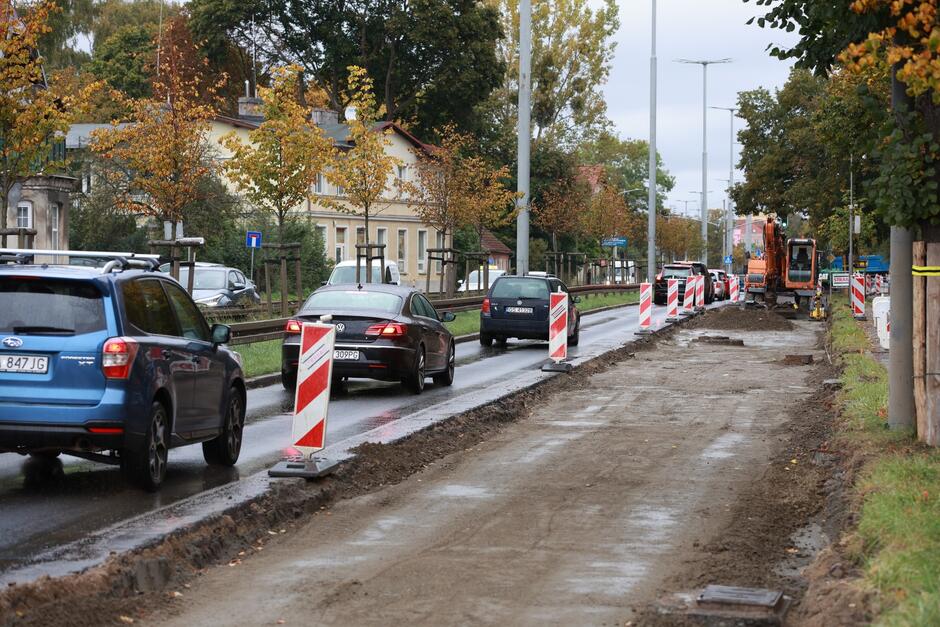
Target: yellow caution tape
[(925, 270)]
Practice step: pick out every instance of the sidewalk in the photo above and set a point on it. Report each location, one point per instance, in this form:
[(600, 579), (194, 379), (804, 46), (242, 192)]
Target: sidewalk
[(575, 515)]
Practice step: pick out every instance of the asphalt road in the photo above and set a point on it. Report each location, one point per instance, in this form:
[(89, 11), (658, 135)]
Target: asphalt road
[(90, 496)]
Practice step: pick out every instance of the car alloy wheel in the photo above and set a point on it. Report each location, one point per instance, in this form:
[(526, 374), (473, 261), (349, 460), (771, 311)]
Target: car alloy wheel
[(234, 426), (415, 380), (157, 450), (224, 450), (447, 377)]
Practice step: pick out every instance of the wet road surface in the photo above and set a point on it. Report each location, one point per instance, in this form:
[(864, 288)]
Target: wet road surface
[(91, 496)]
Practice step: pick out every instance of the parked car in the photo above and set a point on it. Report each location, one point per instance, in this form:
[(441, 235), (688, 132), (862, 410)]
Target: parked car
[(475, 281), (384, 332), (116, 365), (517, 307), (216, 285), (720, 281), (344, 273), (681, 270)]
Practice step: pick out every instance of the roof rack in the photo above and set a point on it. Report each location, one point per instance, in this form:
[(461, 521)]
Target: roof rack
[(117, 260)]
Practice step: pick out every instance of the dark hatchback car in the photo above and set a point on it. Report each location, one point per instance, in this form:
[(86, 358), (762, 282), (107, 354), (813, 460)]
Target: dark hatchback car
[(383, 332), (215, 285), (681, 270), (517, 307), (114, 365)]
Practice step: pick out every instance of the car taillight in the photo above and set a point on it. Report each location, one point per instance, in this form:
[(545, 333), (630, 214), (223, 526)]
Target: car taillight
[(117, 357), (293, 327), (486, 305), (387, 329), (659, 277)]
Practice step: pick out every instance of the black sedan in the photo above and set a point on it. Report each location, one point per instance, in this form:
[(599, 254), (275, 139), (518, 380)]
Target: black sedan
[(383, 332)]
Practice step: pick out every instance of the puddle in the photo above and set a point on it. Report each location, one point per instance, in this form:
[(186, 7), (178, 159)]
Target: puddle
[(807, 543), (462, 491), (722, 447)]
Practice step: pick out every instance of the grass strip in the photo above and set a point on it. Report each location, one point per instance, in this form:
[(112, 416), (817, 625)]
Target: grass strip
[(897, 541)]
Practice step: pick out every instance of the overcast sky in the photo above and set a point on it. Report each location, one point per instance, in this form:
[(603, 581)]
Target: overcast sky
[(691, 29)]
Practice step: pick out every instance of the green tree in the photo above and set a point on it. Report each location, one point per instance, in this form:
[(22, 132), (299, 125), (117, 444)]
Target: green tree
[(626, 162), (432, 61), (126, 59), (572, 51)]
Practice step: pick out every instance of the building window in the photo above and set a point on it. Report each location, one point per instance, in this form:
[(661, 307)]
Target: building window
[(318, 184), (340, 191), (56, 213), (440, 244), (321, 231), (360, 235), (24, 215), (403, 250), (381, 236), (340, 250), (402, 172), (422, 251)]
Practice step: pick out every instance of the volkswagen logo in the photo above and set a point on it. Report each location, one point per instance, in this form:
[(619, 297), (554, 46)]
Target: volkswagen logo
[(340, 327), (12, 342)]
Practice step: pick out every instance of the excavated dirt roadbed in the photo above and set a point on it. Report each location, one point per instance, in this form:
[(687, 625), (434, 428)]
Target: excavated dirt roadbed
[(594, 499)]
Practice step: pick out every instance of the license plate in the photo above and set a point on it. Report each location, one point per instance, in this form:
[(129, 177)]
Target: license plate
[(27, 364), (520, 310), (346, 355)]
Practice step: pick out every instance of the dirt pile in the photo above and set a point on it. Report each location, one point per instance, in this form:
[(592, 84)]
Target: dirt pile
[(737, 319)]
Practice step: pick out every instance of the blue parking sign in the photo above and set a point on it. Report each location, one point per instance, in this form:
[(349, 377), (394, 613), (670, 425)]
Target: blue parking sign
[(728, 259), (253, 239)]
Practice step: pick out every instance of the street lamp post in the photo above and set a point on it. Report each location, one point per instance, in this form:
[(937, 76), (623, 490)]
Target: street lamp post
[(525, 136), (705, 63), (729, 216), (651, 217)]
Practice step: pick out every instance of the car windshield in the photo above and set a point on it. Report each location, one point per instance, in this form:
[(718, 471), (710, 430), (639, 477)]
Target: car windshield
[(347, 274), (354, 300), (50, 306), (205, 278), (676, 272), (521, 288)]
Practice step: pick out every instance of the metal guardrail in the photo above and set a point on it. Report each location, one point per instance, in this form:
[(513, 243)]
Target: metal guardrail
[(263, 330)]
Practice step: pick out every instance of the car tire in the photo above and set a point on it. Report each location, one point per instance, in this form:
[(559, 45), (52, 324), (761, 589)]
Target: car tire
[(289, 380), (501, 341), (145, 465), (447, 377), (576, 336), (659, 301), (224, 450), (416, 378), (486, 339)]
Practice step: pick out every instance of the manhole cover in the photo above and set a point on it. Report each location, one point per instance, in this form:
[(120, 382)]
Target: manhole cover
[(724, 596)]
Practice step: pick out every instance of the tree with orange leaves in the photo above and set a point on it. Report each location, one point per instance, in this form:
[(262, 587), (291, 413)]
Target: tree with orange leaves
[(33, 116), (159, 155), (562, 208)]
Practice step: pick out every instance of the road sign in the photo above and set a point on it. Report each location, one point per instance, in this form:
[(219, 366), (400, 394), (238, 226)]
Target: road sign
[(611, 242), (253, 239), (840, 279), (728, 260)]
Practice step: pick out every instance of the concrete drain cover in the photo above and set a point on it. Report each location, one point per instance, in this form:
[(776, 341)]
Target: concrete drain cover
[(749, 606), (797, 360), (724, 340)]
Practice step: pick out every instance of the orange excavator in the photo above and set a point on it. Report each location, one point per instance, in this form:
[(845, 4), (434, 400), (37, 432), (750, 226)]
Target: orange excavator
[(784, 269)]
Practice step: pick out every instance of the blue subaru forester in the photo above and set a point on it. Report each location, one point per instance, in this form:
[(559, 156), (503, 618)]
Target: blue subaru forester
[(116, 365)]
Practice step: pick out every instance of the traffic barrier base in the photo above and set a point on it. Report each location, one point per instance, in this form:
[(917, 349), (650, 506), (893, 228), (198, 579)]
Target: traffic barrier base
[(303, 469), (557, 366)]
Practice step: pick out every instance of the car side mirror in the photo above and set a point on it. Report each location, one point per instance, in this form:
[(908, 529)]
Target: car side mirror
[(448, 316), (221, 334), (323, 283), (577, 299), (238, 286)]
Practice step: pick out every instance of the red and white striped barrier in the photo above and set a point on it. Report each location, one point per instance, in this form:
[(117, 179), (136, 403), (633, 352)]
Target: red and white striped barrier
[(646, 307), (312, 397), (672, 299), (879, 284), (558, 326), (688, 299), (858, 296), (733, 284), (700, 292)]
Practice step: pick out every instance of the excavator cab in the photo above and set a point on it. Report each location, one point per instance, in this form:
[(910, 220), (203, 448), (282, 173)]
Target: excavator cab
[(801, 268)]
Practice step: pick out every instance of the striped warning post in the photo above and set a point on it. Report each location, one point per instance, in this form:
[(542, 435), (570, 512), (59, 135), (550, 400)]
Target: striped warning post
[(879, 284), (646, 306), (558, 326), (700, 292), (858, 296), (312, 398), (672, 299), (733, 282), (688, 299)]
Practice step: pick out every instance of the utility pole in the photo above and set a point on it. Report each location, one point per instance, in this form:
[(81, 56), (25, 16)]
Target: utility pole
[(525, 136), (705, 63), (729, 214), (851, 268), (653, 186), (900, 346)]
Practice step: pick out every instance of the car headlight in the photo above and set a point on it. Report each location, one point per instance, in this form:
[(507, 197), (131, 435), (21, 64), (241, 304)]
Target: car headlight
[(212, 300)]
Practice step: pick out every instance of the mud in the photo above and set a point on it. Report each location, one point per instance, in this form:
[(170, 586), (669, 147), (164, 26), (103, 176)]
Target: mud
[(130, 585), (741, 319)]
